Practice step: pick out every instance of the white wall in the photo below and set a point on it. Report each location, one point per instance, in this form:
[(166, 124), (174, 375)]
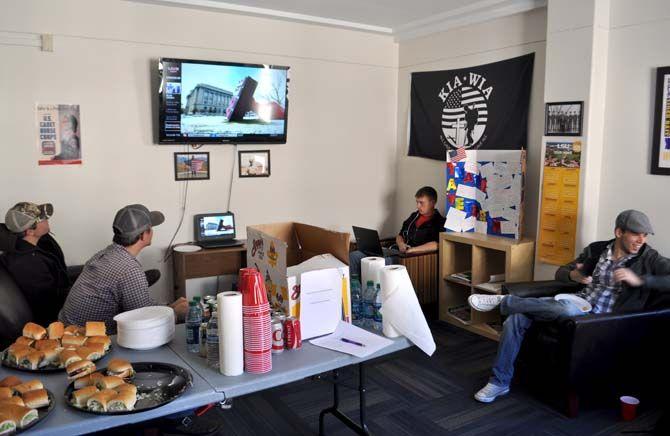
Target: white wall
[(492, 41), (337, 168), (637, 46)]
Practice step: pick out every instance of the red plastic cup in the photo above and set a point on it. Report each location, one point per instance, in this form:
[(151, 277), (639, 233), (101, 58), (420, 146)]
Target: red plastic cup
[(629, 407), (253, 289)]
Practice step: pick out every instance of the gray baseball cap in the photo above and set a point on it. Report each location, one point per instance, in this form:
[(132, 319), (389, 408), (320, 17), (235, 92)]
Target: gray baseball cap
[(24, 215), (134, 219), (634, 221)]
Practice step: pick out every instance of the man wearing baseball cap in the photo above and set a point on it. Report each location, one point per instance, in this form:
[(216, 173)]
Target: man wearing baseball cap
[(34, 259), (113, 280), (623, 274)]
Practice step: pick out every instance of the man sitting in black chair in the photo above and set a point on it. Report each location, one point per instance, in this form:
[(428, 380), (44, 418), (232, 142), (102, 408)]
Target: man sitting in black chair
[(621, 275)]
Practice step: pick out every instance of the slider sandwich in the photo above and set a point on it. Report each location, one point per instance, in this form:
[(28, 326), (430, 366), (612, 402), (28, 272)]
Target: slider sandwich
[(95, 328), (120, 368), (104, 340), (98, 402), (10, 381), (68, 356), (55, 330), (5, 393), (28, 386), (122, 401), (35, 331), (7, 424), (109, 382), (51, 356), (16, 353), (70, 341), (88, 353), (79, 369), (23, 340), (88, 380), (126, 387), (36, 399), (16, 400), (32, 360), (99, 349), (72, 330), (81, 396), (22, 416), (46, 343)]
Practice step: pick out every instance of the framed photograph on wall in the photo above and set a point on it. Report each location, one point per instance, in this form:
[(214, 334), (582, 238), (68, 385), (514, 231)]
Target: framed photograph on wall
[(563, 118), (191, 166), (660, 147), (254, 163)]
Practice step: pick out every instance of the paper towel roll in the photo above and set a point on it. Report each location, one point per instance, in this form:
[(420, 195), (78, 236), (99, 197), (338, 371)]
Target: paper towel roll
[(370, 267), (401, 311), (231, 346)]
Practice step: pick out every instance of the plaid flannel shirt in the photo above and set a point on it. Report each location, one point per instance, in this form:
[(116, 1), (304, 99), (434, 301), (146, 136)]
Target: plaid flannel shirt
[(603, 292), (112, 282)]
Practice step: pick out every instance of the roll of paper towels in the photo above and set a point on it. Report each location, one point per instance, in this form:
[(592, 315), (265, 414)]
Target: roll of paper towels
[(401, 311), (370, 267), (231, 345)]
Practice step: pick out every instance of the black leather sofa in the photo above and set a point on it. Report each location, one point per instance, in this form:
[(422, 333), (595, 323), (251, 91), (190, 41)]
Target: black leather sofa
[(593, 358)]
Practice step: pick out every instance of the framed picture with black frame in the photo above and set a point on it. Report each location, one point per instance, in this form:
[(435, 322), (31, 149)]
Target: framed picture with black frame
[(660, 146), (254, 163), (563, 118), (191, 166)]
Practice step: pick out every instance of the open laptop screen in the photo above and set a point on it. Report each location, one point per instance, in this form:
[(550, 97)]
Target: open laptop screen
[(211, 226)]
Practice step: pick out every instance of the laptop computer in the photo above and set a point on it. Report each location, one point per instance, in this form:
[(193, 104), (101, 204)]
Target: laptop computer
[(215, 230), (367, 241)]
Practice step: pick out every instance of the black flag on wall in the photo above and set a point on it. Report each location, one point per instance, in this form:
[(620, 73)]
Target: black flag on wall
[(483, 107)]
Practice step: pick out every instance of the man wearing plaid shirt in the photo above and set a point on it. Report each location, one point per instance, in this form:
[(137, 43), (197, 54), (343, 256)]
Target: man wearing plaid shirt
[(113, 280), (621, 275)]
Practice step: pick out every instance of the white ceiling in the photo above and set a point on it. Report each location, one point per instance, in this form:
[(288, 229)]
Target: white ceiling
[(404, 19)]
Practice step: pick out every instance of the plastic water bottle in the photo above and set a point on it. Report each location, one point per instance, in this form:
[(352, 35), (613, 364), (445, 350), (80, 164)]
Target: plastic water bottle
[(356, 300), (368, 305), (193, 320), (213, 341), (377, 323)]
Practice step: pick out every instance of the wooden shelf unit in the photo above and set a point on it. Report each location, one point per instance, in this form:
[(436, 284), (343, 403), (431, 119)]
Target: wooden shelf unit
[(484, 256)]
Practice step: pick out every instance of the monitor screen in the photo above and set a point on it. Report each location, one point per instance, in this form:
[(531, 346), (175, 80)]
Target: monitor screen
[(216, 226), (222, 102)]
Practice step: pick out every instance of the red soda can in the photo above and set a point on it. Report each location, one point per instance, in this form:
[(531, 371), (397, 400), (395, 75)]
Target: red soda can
[(292, 333), (277, 335)]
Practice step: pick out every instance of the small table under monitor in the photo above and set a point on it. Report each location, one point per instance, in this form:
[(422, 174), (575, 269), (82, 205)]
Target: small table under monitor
[(207, 262)]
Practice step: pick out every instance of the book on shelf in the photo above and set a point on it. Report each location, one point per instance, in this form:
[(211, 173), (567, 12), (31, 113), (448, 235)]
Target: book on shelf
[(497, 278), (491, 287), (461, 312), (465, 276)]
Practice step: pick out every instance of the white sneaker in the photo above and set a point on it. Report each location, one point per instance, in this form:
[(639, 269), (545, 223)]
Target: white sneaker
[(490, 392), (484, 302)]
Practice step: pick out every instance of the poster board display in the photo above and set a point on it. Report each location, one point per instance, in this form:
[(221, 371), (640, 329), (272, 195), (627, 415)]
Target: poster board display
[(58, 134), (560, 201)]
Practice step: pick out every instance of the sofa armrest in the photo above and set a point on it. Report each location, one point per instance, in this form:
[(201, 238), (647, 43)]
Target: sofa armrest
[(423, 253), (544, 288)]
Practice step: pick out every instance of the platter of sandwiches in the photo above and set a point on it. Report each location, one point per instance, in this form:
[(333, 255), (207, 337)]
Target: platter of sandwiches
[(123, 387), (22, 404), (55, 347)]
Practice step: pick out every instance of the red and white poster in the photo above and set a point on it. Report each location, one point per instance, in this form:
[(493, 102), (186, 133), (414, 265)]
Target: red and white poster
[(59, 134)]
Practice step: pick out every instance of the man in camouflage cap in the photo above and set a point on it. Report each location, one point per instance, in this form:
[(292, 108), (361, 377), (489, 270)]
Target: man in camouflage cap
[(34, 259)]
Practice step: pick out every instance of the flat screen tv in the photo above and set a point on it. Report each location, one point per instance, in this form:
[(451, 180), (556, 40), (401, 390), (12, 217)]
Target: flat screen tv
[(205, 102)]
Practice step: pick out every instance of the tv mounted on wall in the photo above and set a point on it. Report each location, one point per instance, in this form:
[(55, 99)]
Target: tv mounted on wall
[(206, 102)]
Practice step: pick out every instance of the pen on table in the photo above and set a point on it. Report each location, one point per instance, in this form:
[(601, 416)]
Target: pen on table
[(349, 341)]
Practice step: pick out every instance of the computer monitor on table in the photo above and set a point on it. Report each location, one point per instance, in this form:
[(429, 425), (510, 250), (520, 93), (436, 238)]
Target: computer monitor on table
[(215, 230)]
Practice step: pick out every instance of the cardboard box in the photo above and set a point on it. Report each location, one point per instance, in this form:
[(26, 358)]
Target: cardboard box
[(272, 248)]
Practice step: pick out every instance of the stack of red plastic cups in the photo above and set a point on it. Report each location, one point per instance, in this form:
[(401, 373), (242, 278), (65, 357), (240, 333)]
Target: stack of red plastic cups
[(256, 322)]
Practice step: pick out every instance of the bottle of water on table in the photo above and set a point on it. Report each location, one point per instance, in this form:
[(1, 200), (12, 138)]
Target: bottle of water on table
[(193, 320), (377, 318), (213, 341), (369, 304), (356, 312)]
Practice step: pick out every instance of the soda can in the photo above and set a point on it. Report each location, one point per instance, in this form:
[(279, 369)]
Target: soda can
[(203, 339), (279, 315), (277, 335), (292, 333)]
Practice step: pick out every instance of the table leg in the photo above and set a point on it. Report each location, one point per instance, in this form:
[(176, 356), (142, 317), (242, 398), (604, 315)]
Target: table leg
[(361, 429)]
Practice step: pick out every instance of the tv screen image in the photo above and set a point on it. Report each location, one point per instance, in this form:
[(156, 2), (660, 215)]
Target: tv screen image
[(217, 102), (217, 226)]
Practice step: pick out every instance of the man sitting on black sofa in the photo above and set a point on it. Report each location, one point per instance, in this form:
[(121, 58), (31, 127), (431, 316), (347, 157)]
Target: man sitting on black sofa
[(620, 275), (34, 259)]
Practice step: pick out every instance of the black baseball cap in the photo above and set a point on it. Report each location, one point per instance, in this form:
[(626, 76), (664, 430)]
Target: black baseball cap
[(134, 219), (634, 221)]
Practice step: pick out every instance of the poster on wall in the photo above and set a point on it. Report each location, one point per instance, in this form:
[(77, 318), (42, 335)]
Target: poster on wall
[(478, 108), (560, 200), (660, 150), (485, 193), (58, 134)]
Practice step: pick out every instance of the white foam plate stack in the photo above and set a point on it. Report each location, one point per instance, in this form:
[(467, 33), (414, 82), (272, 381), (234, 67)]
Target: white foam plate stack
[(145, 328)]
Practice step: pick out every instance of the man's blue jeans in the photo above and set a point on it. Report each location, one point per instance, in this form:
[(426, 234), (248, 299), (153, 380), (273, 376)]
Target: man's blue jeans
[(521, 313), (355, 258)]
